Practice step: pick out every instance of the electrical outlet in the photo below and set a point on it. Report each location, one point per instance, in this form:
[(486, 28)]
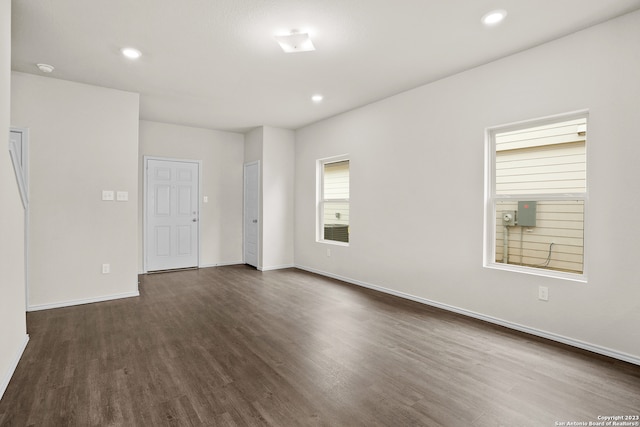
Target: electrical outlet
[(543, 293), (328, 252), (106, 268), (107, 195)]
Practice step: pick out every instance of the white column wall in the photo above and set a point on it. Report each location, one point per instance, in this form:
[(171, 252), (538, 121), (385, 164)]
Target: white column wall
[(277, 197), (82, 139), (274, 148), (13, 329)]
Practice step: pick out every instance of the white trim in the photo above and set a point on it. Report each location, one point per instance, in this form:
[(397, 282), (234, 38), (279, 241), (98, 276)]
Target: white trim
[(501, 322), (144, 204), (62, 304), (200, 192), (573, 277), (333, 242), (276, 267), (13, 366), (540, 121)]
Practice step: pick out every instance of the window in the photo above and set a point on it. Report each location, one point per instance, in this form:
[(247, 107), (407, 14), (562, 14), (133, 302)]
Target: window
[(333, 200), (536, 196)]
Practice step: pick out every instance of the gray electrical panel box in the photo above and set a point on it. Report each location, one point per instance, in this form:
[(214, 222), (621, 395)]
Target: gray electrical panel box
[(527, 214)]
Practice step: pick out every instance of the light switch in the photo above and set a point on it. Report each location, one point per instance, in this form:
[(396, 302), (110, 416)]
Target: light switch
[(122, 196), (205, 199), (107, 194)]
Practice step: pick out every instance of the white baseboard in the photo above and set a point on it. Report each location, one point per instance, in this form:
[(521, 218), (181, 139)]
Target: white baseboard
[(511, 325), (38, 307), (276, 267), (12, 368)]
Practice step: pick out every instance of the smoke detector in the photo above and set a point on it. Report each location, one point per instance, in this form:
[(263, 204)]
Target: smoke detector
[(45, 68)]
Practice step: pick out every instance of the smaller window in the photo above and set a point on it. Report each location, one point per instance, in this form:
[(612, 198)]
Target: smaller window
[(333, 200)]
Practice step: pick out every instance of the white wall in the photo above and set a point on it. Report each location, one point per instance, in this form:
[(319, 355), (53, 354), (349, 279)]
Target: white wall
[(253, 145), (278, 168), (274, 148), (83, 139), (222, 156), (13, 329), (426, 240)]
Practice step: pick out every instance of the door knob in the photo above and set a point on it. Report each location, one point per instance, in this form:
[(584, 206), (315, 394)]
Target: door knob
[(194, 220), (255, 221)]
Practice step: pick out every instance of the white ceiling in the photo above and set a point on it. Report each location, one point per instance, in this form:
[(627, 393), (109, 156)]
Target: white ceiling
[(215, 64)]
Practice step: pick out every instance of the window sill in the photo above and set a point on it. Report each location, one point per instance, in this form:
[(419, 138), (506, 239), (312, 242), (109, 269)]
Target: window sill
[(574, 277), (333, 242)]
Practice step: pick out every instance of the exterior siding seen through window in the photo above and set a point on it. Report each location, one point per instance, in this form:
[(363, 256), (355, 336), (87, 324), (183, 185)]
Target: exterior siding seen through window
[(546, 166)]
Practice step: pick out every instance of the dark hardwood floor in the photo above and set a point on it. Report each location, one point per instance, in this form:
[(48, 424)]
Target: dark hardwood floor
[(234, 346)]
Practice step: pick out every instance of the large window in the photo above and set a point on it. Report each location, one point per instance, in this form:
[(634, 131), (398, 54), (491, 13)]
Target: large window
[(536, 196), (333, 200)]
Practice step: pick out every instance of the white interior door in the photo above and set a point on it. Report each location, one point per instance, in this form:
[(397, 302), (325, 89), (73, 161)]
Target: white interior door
[(251, 213), (172, 214)]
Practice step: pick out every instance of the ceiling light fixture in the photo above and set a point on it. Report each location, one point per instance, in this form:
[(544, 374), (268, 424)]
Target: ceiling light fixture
[(131, 53), (494, 17), (45, 68), (295, 42), (317, 98)]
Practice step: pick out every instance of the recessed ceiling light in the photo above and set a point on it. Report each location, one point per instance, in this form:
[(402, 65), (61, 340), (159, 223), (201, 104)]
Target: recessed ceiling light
[(317, 98), (295, 42), (131, 52), (494, 17), (45, 68)]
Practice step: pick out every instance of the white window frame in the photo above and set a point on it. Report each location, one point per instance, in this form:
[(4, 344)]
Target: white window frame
[(491, 199), (320, 201)]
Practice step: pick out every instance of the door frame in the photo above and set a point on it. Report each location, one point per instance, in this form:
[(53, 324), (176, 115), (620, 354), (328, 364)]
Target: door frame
[(145, 168), (244, 212), (23, 183)]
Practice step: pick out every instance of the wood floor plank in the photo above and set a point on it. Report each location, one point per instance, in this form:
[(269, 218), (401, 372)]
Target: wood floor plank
[(232, 346)]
